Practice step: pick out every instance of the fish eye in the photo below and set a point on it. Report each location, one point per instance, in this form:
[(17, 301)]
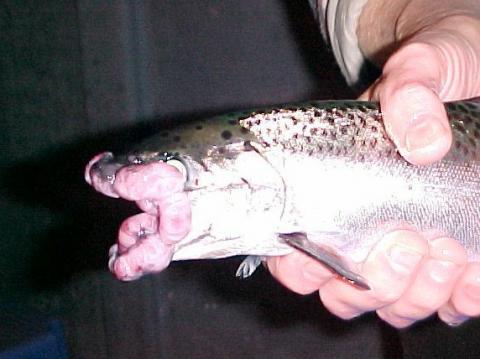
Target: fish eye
[(179, 166)]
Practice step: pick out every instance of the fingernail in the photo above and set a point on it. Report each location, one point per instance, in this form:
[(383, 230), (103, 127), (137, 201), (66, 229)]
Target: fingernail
[(424, 131), (442, 271), (404, 259), (451, 316)]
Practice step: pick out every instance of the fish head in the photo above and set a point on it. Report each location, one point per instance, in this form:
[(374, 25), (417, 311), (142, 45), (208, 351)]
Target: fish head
[(203, 151)]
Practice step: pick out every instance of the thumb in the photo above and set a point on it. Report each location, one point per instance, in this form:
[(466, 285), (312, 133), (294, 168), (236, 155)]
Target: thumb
[(415, 117)]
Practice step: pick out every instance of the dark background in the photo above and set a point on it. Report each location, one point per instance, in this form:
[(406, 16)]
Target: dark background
[(80, 77)]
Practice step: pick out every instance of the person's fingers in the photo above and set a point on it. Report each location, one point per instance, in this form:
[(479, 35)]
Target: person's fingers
[(414, 115), (298, 272), (432, 286), (449, 315), (389, 270), (154, 181), (465, 300)]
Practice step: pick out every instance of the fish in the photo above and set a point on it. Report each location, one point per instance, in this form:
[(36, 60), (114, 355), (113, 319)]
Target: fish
[(322, 177)]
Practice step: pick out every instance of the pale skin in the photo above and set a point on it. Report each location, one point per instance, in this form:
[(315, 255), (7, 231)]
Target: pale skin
[(429, 52)]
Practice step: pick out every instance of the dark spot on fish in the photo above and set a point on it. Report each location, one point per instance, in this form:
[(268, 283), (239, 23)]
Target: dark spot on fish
[(374, 129), (317, 113), (313, 131), (364, 143), (308, 139), (460, 126), (350, 116), (343, 130), (226, 135), (472, 142), (176, 138), (257, 122), (324, 133), (467, 120), (198, 127), (331, 121), (333, 135), (373, 143), (320, 148), (295, 136), (295, 120), (221, 150)]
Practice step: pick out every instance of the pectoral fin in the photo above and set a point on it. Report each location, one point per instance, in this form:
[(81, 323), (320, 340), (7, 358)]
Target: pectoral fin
[(299, 240), (248, 266)]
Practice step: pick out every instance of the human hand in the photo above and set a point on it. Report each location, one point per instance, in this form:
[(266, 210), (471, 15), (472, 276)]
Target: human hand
[(411, 276), (146, 241)]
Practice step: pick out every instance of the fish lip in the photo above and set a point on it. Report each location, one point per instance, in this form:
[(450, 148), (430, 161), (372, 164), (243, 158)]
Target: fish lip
[(101, 171)]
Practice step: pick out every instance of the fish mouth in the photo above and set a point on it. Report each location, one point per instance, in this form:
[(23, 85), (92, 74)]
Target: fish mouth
[(102, 170)]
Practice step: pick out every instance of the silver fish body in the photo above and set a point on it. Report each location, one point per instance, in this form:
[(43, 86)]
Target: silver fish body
[(326, 169)]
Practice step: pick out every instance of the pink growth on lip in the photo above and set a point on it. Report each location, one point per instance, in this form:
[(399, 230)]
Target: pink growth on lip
[(153, 181), (140, 248), (145, 240)]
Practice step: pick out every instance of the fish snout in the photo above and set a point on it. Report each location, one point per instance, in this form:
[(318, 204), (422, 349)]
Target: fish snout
[(100, 173)]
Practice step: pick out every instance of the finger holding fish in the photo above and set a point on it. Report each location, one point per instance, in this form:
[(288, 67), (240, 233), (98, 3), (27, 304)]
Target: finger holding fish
[(432, 285), (465, 300), (390, 268), (299, 272)]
